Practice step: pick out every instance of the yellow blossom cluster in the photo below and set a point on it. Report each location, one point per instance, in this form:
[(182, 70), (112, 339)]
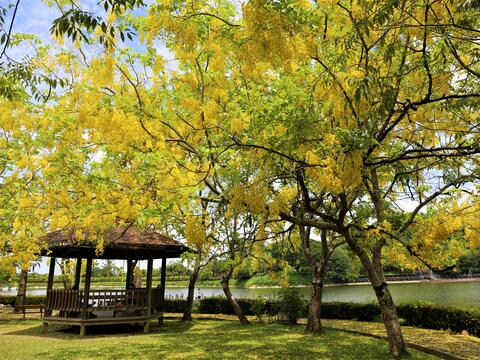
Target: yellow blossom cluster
[(195, 231)]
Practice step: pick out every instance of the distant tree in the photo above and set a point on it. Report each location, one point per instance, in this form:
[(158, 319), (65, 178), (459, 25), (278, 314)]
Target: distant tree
[(177, 268), (469, 262), (342, 266), (5, 276)]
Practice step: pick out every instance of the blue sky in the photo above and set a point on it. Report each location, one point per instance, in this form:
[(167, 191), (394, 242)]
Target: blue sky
[(35, 17)]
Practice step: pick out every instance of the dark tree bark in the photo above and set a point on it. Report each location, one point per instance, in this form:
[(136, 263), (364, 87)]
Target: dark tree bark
[(226, 290), (132, 278), (187, 313), (376, 276), (314, 324), (318, 265), (22, 288)]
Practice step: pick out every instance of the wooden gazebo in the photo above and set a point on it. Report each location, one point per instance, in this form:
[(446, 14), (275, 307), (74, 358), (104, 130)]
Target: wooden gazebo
[(85, 307)]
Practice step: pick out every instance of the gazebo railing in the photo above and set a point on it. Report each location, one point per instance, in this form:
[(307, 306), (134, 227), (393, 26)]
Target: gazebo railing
[(102, 300)]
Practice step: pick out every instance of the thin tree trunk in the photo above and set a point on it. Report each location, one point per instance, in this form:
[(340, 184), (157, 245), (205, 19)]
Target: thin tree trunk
[(390, 320), (376, 277), (236, 307), (187, 313), (22, 288), (66, 275), (137, 279), (314, 324), (389, 312)]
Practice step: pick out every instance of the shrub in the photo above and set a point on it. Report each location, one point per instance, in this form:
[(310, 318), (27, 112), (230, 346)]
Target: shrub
[(292, 304), (346, 310), (272, 307), (441, 317), (30, 299), (220, 305), (259, 308), (175, 305), (7, 299)]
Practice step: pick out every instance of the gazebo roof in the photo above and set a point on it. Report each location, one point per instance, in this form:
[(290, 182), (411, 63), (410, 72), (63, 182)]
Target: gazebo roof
[(119, 243)]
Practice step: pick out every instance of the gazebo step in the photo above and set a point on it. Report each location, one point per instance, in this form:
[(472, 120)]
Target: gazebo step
[(101, 320)]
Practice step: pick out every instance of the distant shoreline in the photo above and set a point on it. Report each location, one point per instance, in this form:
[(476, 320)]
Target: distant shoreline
[(388, 281), (99, 285)]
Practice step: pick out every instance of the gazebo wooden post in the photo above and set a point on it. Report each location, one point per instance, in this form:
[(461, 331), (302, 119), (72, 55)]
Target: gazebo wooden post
[(86, 293), (146, 328), (51, 273), (162, 291), (129, 279), (78, 274)]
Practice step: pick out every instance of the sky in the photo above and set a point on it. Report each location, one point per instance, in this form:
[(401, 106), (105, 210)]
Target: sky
[(36, 17)]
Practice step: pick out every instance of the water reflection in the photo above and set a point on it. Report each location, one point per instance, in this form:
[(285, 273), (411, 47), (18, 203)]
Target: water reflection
[(462, 294)]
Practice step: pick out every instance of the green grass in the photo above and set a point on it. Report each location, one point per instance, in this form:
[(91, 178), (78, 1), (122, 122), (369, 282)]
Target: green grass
[(205, 339), (295, 279)]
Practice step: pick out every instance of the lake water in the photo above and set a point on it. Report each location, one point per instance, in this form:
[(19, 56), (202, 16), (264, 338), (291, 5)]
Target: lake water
[(465, 294)]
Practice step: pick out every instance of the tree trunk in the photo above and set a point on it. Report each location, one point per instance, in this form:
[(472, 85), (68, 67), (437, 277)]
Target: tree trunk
[(314, 324), (187, 313), (66, 275), (388, 310), (22, 288), (236, 307), (376, 277), (390, 320), (137, 279)]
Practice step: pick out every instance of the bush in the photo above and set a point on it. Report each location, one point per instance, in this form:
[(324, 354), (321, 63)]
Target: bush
[(7, 299), (292, 304), (440, 317), (347, 311), (259, 308), (220, 305), (175, 305), (30, 299)]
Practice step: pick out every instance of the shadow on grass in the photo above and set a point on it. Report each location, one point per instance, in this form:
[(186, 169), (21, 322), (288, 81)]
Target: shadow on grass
[(220, 340), (202, 339), (63, 332)]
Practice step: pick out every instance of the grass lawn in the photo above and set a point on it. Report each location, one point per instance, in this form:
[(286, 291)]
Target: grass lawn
[(202, 339)]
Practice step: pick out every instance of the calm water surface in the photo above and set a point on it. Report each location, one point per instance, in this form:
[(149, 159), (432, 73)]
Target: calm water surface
[(464, 294)]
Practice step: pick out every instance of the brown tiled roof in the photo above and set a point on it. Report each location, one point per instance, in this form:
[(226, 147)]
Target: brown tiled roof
[(117, 235), (119, 241)]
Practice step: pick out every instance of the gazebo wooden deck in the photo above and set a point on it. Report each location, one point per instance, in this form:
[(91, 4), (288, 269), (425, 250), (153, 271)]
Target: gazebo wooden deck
[(85, 307)]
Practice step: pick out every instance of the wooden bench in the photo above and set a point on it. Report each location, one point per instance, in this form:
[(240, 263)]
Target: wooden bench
[(33, 308)]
